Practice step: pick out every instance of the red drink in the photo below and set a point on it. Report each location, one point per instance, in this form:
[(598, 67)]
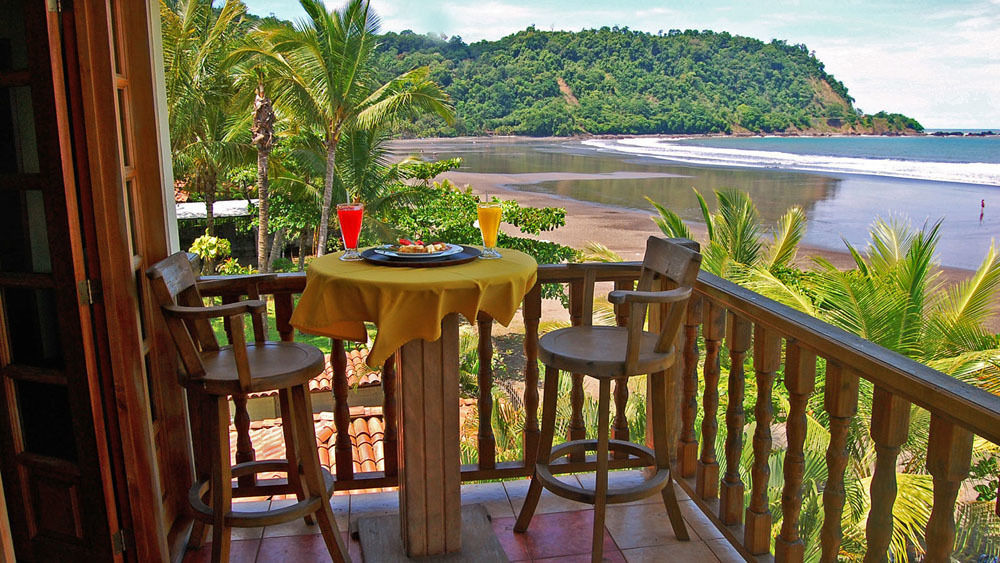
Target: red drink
[(349, 215)]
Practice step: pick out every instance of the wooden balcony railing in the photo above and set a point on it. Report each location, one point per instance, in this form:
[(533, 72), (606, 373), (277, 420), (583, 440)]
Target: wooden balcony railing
[(742, 322)]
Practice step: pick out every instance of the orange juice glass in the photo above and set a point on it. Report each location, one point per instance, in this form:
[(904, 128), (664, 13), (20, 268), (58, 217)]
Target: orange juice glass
[(489, 225)]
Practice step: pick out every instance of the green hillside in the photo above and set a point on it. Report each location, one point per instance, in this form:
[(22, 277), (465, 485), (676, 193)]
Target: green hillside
[(619, 81)]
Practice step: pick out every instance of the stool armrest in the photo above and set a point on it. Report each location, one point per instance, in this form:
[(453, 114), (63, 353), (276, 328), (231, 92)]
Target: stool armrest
[(215, 311), (619, 296)]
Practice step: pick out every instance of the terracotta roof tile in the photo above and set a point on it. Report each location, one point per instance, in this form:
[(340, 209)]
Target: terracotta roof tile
[(366, 433), (359, 375)]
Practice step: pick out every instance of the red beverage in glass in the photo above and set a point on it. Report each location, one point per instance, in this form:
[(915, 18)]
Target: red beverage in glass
[(349, 215)]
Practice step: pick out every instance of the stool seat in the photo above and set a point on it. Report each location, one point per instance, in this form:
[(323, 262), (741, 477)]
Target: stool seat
[(599, 351), (273, 365)]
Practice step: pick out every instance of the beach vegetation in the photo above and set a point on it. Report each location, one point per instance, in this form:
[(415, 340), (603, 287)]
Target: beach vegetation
[(894, 296), (323, 72)]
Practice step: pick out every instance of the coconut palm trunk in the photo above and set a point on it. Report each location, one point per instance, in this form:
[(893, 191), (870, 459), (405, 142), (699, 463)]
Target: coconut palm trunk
[(331, 170), (262, 130), (276, 247)]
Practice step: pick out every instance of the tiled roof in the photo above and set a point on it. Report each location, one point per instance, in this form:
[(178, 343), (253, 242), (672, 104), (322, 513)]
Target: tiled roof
[(180, 194), (366, 440), (359, 375)]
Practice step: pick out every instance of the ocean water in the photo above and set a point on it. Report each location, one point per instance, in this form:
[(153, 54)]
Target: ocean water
[(974, 160), (842, 183)]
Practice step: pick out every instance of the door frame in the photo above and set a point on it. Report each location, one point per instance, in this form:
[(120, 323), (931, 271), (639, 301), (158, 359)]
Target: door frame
[(142, 492)]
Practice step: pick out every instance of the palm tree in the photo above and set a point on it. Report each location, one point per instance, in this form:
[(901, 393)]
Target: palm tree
[(734, 234), (262, 130), (196, 43), (324, 73)]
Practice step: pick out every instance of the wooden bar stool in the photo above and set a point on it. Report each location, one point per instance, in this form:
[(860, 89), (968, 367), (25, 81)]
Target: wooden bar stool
[(214, 373), (615, 353)]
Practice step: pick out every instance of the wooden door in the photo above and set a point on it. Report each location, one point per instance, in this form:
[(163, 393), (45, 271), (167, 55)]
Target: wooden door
[(55, 461)]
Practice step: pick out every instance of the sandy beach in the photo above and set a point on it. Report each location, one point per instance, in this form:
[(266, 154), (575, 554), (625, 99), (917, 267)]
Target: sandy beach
[(622, 230)]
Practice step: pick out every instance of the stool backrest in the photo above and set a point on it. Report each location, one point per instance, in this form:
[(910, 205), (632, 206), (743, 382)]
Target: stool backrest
[(668, 268), (174, 282)]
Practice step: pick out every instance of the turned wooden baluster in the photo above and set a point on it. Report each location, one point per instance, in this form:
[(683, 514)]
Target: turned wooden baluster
[(800, 380), (766, 361), (688, 450), (241, 417), (532, 314), (949, 453), (841, 403), (389, 406), (342, 411), (244, 446), (890, 428), (282, 316), (739, 331), (576, 429), (487, 442), (620, 424), (707, 476)]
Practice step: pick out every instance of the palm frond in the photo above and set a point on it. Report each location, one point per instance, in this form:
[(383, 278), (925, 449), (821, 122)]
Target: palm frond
[(669, 222), (597, 252), (785, 238)]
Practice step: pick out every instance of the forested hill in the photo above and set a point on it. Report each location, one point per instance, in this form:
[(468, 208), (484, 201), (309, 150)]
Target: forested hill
[(618, 81)]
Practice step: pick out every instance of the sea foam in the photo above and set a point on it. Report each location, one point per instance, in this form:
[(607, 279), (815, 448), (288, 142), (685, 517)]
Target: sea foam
[(668, 149)]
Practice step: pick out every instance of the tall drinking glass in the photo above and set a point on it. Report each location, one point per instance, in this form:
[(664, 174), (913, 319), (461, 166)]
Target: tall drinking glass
[(349, 215), (489, 224)]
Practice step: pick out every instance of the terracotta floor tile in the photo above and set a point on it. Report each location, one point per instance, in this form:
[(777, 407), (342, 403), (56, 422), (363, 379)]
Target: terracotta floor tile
[(559, 534), (641, 525), (724, 551), (493, 496), (628, 478), (697, 520), (299, 549), (684, 552), (298, 527), (548, 503), (244, 551), (514, 545)]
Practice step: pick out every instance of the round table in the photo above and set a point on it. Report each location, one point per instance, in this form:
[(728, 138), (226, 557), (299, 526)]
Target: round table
[(416, 312)]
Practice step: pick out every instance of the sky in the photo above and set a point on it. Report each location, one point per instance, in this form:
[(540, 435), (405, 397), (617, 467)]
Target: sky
[(936, 61)]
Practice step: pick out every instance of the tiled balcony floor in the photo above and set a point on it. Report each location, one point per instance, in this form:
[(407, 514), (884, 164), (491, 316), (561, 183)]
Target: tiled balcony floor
[(559, 531)]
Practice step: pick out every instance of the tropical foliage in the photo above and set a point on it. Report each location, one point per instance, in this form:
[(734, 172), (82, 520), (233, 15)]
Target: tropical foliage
[(323, 73), (894, 296), (620, 81)]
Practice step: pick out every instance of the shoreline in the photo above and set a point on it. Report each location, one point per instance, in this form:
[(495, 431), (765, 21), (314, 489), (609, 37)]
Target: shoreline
[(622, 229), (625, 231)]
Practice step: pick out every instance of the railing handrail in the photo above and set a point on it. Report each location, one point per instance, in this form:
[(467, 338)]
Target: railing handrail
[(972, 408)]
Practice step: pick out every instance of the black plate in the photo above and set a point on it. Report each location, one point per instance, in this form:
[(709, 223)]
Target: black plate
[(468, 254)]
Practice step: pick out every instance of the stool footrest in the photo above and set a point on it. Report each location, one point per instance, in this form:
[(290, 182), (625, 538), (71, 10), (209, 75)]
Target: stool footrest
[(644, 454), (618, 495), (260, 518)]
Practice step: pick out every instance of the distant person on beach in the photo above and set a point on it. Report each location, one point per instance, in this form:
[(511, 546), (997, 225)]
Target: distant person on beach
[(982, 209)]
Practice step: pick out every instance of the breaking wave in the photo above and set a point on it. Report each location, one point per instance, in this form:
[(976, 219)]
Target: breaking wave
[(668, 149)]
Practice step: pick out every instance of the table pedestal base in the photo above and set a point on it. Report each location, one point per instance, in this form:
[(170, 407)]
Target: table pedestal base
[(380, 539), (428, 447)]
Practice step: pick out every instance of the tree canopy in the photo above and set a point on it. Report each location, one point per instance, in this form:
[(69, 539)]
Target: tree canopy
[(619, 81)]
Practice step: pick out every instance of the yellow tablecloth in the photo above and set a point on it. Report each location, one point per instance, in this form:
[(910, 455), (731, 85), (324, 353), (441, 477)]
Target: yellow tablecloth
[(407, 303)]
